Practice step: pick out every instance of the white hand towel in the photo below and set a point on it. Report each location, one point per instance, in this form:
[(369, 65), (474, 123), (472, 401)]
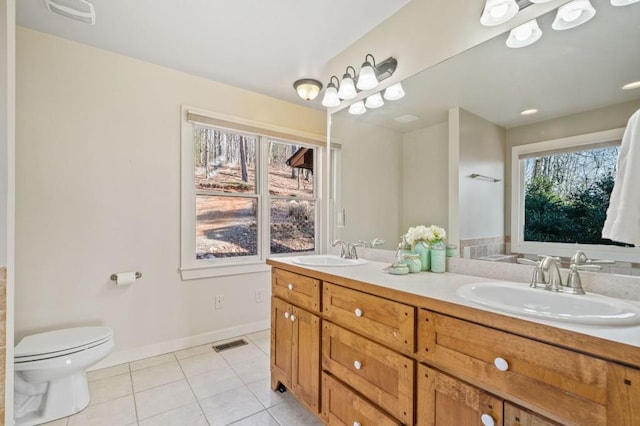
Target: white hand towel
[(623, 215)]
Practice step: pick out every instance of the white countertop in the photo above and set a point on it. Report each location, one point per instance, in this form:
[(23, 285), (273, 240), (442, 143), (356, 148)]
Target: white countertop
[(444, 286)]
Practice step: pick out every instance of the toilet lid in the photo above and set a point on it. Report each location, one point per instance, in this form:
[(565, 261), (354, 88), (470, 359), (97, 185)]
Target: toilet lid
[(56, 341)]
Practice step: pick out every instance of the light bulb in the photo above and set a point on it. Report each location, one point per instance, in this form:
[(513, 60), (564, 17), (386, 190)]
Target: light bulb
[(394, 92), (347, 88), (367, 79), (358, 108), (331, 98), (374, 101)]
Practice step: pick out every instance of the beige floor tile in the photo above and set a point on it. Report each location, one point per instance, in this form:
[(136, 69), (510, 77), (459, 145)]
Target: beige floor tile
[(214, 382), (103, 373), (110, 388), (202, 363), (194, 350), (151, 362), (156, 376), (259, 335), (118, 412), (291, 412), (230, 406), (188, 415), (164, 398), (268, 398), (264, 345), (242, 354), (263, 418), (253, 369)]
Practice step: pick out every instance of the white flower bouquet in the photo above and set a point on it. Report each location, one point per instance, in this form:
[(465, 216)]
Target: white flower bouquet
[(430, 234)]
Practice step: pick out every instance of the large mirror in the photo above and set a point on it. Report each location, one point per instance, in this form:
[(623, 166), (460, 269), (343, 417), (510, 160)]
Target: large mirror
[(410, 162)]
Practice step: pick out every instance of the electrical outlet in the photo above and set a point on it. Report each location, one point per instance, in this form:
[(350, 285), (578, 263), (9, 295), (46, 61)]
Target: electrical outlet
[(219, 301), (259, 297)]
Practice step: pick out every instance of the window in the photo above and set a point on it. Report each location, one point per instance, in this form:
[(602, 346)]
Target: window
[(560, 195), (247, 195)]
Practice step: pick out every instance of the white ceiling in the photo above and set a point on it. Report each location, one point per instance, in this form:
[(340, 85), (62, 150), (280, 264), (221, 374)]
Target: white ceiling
[(258, 45)]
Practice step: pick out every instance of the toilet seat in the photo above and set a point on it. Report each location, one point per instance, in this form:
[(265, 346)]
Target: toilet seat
[(59, 343)]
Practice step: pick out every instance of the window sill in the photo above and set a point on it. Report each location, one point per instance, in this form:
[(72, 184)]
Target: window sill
[(211, 271)]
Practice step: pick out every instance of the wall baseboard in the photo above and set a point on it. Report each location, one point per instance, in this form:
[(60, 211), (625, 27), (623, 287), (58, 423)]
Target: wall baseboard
[(160, 348)]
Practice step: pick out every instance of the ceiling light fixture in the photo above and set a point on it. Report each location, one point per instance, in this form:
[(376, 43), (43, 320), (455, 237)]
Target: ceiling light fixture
[(572, 14), (331, 98), (367, 79), (623, 2), (498, 12), (80, 10), (374, 101), (358, 108), (632, 85), (394, 92), (347, 88), (524, 35), (307, 88)]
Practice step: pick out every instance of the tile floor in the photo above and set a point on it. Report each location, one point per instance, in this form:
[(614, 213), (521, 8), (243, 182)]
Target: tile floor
[(192, 387)]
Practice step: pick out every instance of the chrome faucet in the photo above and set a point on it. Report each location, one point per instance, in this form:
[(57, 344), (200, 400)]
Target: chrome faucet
[(539, 279), (344, 249), (377, 242), (551, 266)]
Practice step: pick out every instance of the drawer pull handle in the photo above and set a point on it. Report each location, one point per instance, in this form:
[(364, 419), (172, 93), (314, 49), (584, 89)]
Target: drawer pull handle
[(356, 423), (286, 314), (290, 286), (501, 364), (358, 312), (487, 420), (357, 365), (293, 317)]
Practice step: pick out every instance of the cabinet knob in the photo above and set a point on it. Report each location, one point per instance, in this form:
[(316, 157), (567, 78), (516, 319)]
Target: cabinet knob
[(357, 364), (286, 314), (501, 364), (358, 312), (487, 420), (293, 318), (356, 423), (290, 286)]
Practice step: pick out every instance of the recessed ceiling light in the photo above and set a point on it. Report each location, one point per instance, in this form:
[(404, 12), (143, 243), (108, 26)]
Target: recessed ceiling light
[(406, 118), (529, 111), (632, 85)]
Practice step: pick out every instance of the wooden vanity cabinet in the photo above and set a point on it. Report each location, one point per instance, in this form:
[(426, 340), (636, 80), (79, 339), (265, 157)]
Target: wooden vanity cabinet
[(517, 416), (295, 340), (443, 400)]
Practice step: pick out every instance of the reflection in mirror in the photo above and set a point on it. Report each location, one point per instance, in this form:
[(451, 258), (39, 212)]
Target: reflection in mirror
[(410, 162)]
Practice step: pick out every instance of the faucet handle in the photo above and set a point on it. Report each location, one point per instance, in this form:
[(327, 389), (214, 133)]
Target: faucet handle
[(580, 258), (574, 283), (539, 277)]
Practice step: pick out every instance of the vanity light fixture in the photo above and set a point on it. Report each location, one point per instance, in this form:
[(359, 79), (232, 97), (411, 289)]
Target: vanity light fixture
[(498, 12), (572, 14), (358, 108), (374, 101), (623, 2), (524, 35), (529, 111), (367, 79), (632, 85), (307, 88), (331, 98), (347, 88), (80, 10), (394, 92)]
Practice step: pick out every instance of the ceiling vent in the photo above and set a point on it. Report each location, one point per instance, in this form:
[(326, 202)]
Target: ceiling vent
[(80, 10)]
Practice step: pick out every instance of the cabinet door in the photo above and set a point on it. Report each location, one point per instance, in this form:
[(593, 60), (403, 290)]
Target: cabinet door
[(305, 372), (281, 343), (516, 416), (446, 401)]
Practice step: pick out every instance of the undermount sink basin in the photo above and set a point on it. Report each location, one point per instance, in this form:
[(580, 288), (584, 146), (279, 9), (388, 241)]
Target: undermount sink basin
[(327, 260), (590, 309)]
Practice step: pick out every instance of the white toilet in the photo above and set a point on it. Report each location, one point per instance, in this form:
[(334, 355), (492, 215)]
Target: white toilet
[(50, 379)]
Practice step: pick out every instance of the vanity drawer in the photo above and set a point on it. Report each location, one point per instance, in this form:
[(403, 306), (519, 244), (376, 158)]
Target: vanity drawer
[(342, 406), (383, 320), (558, 383), (380, 374), (297, 289)]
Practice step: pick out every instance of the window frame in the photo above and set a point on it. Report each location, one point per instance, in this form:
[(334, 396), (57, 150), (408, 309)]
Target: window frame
[(518, 244), (192, 268)]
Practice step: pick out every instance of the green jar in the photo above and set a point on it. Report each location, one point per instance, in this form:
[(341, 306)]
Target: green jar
[(413, 262), (438, 258)]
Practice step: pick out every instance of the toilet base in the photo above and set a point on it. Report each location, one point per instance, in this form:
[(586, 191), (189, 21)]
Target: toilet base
[(64, 396)]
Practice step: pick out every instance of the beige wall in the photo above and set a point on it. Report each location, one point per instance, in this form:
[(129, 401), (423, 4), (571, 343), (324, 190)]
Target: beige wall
[(481, 202), (371, 180), (98, 192), (424, 177)]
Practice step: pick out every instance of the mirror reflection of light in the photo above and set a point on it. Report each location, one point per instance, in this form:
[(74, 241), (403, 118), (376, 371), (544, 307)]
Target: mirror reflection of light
[(529, 111), (499, 11), (632, 85), (358, 108), (573, 14), (524, 35)]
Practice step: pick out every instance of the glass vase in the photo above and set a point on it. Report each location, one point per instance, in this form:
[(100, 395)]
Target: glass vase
[(438, 258), (421, 248)]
